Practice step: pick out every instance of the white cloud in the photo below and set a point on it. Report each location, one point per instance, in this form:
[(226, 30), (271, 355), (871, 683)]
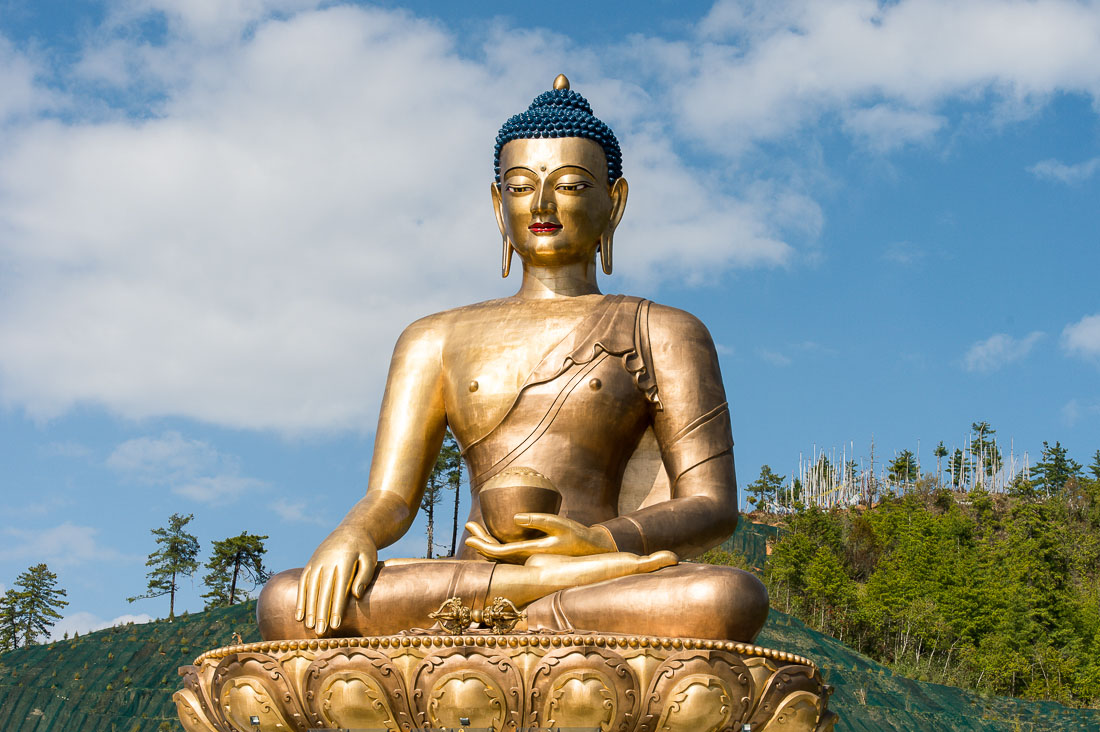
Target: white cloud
[(1075, 410), (169, 458), (775, 358), (1069, 174), (297, 512), (884, 127), (817, 349), (85, 622), (59, 546), (765, 70), (20, 94), (247, 249), (1083, 337), (281, 188), (903, 252), (192, 468), (998, 350), (218, 488)]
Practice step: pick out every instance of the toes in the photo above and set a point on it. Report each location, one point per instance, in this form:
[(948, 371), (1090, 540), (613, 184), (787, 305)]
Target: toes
[(660, 559)]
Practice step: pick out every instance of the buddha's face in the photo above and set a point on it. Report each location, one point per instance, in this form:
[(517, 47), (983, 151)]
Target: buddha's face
[(554, 201)]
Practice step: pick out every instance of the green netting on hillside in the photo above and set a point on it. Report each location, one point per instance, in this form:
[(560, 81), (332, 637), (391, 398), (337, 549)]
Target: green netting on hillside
[(870, 698), (41, 692), (751, 540), (115, 680)]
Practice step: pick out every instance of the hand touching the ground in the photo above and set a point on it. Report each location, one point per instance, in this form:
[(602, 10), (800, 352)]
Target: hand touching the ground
[(343, 564)]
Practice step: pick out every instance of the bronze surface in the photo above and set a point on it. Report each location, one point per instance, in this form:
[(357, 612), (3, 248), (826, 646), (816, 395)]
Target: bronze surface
[(615, 401), (515, 491), (504, 682), (597, 438)]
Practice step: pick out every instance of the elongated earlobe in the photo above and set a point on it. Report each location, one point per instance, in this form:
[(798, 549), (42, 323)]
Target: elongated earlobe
[(498, 208), (606, 241), (506, 264), (619, 192)]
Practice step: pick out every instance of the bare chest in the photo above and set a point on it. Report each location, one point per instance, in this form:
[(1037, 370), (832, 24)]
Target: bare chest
[(490, 354)]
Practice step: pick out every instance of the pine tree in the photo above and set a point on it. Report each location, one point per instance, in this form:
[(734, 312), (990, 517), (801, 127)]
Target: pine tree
[(1094, 466), (433, 493), (765, 489), (904, 468), (176, 558), (984, 448), (940, 452), (9, 621), (37, 602), (231, 561), (1054, 469), (450, 464)]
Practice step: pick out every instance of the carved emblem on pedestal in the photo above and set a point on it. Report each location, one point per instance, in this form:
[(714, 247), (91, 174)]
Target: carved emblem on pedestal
[(503, 682)]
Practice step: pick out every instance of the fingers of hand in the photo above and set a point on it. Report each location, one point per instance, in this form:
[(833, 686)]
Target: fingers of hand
[(483, 547), (478, 531), (364, 570), (324, 601), (341, 586), (552, 525), (303, 591), (516, 551), (312, 590)]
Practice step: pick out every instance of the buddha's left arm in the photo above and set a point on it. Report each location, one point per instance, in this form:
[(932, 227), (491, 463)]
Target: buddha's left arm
[(693, 432)]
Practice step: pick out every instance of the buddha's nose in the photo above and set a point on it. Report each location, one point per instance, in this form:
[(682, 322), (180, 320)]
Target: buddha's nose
[(543, 201)]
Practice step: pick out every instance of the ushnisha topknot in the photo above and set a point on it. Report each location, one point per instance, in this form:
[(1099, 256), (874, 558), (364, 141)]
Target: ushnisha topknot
[(561, 112)]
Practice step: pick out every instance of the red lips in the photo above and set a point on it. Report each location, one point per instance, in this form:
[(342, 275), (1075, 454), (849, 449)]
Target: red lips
[(544, 227)]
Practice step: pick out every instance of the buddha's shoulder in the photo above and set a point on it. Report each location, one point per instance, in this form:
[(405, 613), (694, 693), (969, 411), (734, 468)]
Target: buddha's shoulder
[(669, 323), (664, 321), (438, 325)]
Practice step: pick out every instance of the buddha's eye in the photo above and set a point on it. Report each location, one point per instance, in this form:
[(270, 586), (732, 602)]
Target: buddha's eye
[(573, 186), (518, 188)]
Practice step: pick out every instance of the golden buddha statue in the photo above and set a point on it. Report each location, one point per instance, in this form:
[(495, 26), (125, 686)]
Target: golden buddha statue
[(613, 401)]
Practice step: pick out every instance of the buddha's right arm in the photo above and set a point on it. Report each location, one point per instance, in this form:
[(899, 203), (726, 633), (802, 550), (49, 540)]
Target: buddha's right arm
[(411, 425)]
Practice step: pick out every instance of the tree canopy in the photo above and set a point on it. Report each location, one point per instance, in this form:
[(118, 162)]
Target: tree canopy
[(765, 488), (30, 609), (989, 591), (233, 562), (176, 556)]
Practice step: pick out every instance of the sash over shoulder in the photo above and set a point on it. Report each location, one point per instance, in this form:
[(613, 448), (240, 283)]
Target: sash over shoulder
[(618, 327)]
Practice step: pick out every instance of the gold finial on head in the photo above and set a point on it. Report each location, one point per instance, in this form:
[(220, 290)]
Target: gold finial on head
[(561, 82)]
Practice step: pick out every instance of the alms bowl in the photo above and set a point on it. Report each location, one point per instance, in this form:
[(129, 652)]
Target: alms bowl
[(512, 491)]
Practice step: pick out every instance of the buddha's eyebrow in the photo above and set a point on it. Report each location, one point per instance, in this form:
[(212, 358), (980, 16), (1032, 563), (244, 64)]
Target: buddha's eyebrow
[(574, 165), (525, 169)]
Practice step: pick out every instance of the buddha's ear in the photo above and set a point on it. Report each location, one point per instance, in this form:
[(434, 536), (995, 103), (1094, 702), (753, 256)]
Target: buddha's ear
[(619, 192), (498, 206), (506, 244)]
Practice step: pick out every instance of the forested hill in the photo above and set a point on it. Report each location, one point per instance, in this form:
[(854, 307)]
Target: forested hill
[(122, 679), (999, 593)]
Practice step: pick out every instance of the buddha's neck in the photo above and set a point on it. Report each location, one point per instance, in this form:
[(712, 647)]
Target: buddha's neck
[(569, 280)]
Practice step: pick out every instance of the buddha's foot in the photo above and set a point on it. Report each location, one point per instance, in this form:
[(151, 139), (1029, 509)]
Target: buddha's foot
[(624, 561)]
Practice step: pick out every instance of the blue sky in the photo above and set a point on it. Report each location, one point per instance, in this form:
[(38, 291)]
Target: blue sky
[(217, 215)]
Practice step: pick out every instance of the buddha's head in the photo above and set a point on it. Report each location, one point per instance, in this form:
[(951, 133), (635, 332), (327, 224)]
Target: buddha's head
[(559, 191)]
